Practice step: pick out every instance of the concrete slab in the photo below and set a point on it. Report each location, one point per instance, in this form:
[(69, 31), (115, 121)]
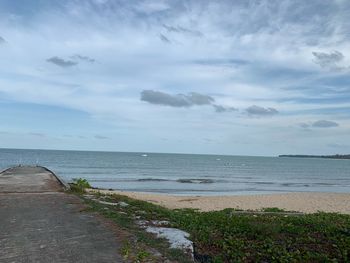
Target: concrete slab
[(28, 179), (38, 223)]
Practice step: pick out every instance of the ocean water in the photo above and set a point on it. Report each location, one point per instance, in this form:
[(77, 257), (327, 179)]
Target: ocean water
[(189, 174)]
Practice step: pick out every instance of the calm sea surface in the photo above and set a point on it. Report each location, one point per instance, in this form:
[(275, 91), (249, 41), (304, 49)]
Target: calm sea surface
[(186, 174)]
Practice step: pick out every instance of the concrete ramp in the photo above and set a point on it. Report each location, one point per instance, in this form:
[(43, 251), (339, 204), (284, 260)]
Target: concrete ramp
[(41, 223), (28, 179)]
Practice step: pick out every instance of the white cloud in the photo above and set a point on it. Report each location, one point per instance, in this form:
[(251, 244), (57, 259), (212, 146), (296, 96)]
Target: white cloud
[(151, 6), (241, 54)]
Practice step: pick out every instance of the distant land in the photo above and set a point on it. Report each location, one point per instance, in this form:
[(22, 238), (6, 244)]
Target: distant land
[(335, 156)]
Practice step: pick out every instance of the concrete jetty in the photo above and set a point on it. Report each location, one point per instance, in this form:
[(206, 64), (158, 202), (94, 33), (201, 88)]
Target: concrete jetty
[(41, 223)]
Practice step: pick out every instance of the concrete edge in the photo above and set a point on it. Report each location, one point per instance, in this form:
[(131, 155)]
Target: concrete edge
[(59, 179), (5, 170), (11, 167)]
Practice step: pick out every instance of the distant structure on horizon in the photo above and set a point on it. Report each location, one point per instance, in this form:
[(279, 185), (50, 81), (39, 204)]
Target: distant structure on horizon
[(335, 156)]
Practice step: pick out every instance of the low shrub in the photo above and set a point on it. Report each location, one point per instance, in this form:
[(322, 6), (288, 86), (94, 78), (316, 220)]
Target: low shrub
[(79, 185)]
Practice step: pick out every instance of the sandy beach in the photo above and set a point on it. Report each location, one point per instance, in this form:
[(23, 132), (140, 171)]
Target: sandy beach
[(301, 202)]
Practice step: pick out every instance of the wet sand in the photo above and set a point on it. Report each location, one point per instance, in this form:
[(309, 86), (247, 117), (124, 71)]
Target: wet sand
[(301, 202)]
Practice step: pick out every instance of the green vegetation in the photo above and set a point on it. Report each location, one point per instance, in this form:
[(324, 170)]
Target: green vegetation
[(79, 185), (125, 250), (273, 210), (335, 156), (139, 246), (232, 236), (136, 254)]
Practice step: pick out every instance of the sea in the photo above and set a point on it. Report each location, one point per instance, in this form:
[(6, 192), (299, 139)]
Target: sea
[(189, 174)]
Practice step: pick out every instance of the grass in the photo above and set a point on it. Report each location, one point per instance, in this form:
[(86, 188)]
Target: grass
[(138, 254), (273, 210), (140, 246), (224, 236), (309, 238), (79, 185)]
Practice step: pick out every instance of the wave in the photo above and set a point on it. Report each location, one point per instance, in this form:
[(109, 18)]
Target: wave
[(309, 184), (152, 180), (129, 180), (261, 183), (195, 181)]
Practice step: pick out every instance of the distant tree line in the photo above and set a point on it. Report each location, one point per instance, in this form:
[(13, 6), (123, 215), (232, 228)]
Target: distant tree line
[(335, 156)]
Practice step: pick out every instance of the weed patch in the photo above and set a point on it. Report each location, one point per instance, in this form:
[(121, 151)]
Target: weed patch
[(226, 236)]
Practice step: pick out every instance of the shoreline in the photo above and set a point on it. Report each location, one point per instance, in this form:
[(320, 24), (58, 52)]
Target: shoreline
[(305, 202)]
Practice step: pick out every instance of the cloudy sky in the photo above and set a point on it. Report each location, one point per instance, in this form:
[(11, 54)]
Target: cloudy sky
[(226, 77)]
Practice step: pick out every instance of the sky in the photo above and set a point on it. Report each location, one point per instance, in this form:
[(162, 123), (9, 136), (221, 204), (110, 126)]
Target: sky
[(243, 77)]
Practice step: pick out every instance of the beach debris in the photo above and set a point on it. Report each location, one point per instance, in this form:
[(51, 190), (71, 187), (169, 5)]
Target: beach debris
[(107, 203), (142, 223), (177, 238), (122, 204), (89, 196), (160, 222)]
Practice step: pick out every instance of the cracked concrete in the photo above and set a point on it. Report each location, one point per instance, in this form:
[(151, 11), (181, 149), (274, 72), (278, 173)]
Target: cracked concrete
[(41, 223)]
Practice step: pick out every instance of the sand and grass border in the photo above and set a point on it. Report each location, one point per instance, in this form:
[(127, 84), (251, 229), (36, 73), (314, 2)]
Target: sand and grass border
[(230, 235)]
